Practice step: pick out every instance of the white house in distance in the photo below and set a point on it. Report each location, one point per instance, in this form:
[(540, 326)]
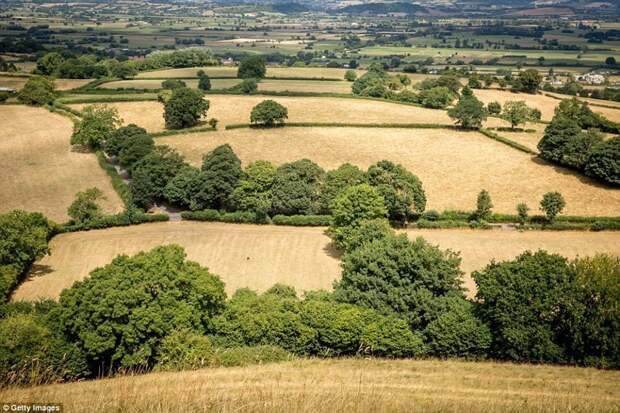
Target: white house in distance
[(7, 89), (591, 78)]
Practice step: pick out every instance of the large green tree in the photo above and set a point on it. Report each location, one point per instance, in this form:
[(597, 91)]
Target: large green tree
[(252, 67), (38, 91), (185, 108), (96, 124), (221, 171), (401, 190), (469, 112), (120, 314), (253, 193), (297, 188), (268, 113)]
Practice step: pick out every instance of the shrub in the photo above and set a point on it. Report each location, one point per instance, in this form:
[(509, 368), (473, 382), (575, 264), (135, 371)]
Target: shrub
[(407, 277), (133, 149), (263, 320), (494, 108), (469, 112), (401, 190), (302, 220), (204, 82), (558, 134), (181, 188), (252, 67), (32, 353), (246, 355), (23, 239), (337, 180), (526, 303), (529, 81), (456, 332), (116, 140), (147, 296), (184, 108), (85, 208), (552, 204), (151, 174), (173, 84), (483, 205), (268, 113), (517, 113), (185, 350), (247, 86), (603, 162), (596, 338), (37, 91), (4, 96), (438, 97), (391, 337), (350, 75), (97, 123), (353, 205), (522, 210)]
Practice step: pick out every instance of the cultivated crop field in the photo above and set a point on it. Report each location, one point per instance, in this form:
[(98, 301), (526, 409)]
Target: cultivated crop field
[(346, 385), (544, 103), (259, 256), (41, 172), (236, 109), (453, 165)]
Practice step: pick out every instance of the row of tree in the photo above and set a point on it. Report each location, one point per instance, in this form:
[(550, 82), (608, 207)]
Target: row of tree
[(396, 298)]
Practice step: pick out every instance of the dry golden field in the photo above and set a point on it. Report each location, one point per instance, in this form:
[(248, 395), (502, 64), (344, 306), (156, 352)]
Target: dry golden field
[(230, 71), (40, 170), (271, 85), (544, 103), (592, 101), (453, 165), (61, 84), (156, 83), (243, 255), (236, 109), (344, 385), (529, 134), (259, 256)]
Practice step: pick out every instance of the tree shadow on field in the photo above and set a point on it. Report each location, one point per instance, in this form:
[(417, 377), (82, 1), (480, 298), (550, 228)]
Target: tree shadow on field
[(566, 171), (38, 270), (333, 251)]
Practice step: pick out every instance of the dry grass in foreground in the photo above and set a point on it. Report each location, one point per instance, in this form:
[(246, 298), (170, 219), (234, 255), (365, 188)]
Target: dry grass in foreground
[(41, 172), (344, 385), (236, 109), (257, 256), (453, 165)]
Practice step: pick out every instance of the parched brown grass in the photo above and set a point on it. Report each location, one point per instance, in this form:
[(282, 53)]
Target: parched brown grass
[(228, 71), (236, 109), (344, 385), (453, 165), (271, 85), (544, 103), (17, 83), (156, 83), (40, 171), (243, 255), (257, 256), (478, 247)]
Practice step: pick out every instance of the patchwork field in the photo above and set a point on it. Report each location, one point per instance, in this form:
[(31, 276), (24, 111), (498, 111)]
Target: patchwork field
[(345, 385), (544, 103), (259, 256), (40, 170), (236, 109), (453, 165)]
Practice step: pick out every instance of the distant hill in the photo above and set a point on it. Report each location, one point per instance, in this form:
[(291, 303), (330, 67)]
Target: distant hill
[(289, 8), (383, 8)]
